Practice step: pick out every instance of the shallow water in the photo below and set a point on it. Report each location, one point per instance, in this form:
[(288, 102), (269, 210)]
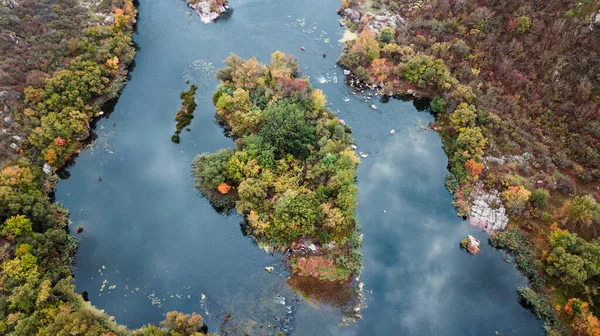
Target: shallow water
[(150, 244)]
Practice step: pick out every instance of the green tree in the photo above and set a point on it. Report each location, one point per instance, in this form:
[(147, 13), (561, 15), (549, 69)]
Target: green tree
[(539, 198), (17, 226), (580, 210), (426, 72), (211, 168), (386, 35), (463, 116), (438, 104), (252, 194), (287, 130), (295, 215), (470, 143)]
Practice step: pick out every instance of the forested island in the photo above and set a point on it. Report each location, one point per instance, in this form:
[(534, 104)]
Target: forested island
[(185, 115), (515, 92), (292, 172)]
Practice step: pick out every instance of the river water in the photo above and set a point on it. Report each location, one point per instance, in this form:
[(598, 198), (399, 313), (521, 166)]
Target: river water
[(150, 244)]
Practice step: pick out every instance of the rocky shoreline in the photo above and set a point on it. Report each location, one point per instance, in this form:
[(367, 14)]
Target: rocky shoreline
[(486, 209)]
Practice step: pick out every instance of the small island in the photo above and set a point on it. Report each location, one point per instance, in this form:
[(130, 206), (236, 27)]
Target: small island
[(185, 115), (208, 10), (292, 172)]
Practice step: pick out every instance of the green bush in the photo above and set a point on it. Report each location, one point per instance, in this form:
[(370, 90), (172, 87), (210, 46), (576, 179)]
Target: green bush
[(537, 302), (438, 104), (518, 246), (539, 198), (524, 25)]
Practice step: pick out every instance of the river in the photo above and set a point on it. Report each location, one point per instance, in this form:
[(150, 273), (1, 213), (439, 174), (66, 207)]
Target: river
[(151, 244)]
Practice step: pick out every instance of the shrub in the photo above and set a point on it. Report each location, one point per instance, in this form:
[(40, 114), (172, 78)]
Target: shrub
[(517, 245), (516, 198), (463, 93), (438, 104), (524, 25), (580, 210), (539, 198), (537, 302), (386, 35)]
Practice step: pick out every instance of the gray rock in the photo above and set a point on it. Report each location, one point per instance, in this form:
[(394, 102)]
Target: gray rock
[(352, 14), (483, 215), (597, 19)]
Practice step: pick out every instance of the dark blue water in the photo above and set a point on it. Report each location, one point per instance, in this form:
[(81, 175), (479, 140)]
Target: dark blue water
[(150, 244)]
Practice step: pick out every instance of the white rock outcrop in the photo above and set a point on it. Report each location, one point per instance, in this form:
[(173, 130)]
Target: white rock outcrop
[(487, 210)]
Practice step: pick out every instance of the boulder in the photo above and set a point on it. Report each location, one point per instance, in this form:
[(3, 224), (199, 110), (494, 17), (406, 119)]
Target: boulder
[(471, 244), (351, 14), (47, 168), (205, 12), (597, 19)]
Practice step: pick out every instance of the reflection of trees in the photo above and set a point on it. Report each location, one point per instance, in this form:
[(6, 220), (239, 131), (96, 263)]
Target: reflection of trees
[(344, 295)]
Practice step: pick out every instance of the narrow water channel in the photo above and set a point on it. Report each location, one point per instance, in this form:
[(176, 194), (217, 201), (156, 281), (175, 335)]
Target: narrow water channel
[(150, 244)]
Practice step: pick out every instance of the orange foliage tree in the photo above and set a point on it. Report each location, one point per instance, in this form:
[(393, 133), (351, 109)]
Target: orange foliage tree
[(224, 188), (381, 68), (474, 168)]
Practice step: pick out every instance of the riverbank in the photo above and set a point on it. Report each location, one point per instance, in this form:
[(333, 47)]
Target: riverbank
[(52, 122), (498, 170)]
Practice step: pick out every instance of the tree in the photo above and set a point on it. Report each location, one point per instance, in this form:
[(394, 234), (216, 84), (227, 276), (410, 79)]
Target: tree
[(252, 194), (438, 104), (474, 168), (366, 48), (426, 72), (287, 130), (17, 226), (572, 259), (515, 198), (295, 215), (381, 69), (463, 93), (580, 210), (386, 35), (211, 168), (184, 324), (463, 116), (470, 143)]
